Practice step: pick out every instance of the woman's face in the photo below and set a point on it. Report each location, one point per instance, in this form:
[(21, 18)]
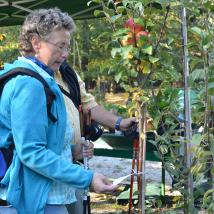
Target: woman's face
[(53, 51)]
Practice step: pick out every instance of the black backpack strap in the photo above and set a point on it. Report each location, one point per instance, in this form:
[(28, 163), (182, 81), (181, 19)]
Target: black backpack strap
[(50, 96), (69, 76), (66, 93)]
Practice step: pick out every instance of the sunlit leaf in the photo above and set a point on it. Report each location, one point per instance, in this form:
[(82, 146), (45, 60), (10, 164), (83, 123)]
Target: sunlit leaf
[(145, 67), (96, 1), (2, 37), (118, 77), (196, 139), (153, 59), (97, 12), (197, 30), (126, 52), (115, 51), (165, 46), (147, 49), (89, 2)]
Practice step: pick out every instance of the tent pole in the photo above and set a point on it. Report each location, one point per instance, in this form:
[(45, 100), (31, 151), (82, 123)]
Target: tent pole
[(189, 199)]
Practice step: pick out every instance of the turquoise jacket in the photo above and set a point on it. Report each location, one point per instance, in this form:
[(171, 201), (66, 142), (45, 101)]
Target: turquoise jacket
[(38, 141)]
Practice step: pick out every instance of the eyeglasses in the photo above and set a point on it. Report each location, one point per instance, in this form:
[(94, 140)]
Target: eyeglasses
[(60, 48)]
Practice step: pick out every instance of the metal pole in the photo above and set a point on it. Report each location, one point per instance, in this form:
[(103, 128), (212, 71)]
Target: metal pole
[(189, 199)]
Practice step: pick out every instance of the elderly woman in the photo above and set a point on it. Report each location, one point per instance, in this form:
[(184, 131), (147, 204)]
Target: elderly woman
[(41, 177)]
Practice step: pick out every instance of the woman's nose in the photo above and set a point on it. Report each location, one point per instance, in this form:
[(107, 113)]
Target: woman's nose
[(65, 54)]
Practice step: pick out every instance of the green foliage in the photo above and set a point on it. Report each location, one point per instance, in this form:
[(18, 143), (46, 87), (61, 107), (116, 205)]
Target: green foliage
[(2, 38), (8, 44), (147, 68)]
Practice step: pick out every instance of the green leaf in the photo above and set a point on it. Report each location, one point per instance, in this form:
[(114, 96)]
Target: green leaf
[(115, 51), (114, 18), (212, 147), (120, 9), (170, 41), (118, 77), (153, 142), (197, 30), (150, 23), (196, 139), (171, 169), (209, 6), (125, 2), (197, 74), (156, 121), (163, 149), (88, 3), (120, 33), (146, 68), (147, 49), (165, 46), (206, 41), (125, 51), (139, 7), (97, 12), (133, 73), (195, 62), (139, 20), (153, 59), (96, 1), (211, 88), (211, 85)]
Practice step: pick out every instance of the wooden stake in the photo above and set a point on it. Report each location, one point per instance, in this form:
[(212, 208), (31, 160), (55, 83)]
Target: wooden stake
[(142, 158)]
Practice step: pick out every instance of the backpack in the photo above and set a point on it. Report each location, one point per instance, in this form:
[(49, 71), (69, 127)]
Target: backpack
[(69, 76), (6, 154)]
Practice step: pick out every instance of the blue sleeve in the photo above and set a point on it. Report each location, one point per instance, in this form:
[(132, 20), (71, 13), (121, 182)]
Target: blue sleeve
[(29, 124)]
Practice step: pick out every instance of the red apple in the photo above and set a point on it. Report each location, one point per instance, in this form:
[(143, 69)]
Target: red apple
[(130, 40), (133, 26), (141, 33), (136, 31)]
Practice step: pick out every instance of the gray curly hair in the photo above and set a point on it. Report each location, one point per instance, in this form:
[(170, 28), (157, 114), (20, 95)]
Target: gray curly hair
[(42, 22)]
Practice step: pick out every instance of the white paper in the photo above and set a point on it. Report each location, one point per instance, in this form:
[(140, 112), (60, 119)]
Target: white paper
[(121, 179)]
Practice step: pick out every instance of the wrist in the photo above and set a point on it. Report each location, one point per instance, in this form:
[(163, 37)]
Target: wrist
[(117, 123)]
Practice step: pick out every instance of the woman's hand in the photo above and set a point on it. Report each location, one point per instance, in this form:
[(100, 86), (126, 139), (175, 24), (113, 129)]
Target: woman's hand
[(82, 149), (101, 184), (127, 123)]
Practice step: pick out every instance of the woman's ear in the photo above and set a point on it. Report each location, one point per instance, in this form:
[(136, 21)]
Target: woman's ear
[(36, 43)]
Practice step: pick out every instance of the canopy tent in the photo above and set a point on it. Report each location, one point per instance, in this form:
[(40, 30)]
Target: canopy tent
[(13, 12)]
